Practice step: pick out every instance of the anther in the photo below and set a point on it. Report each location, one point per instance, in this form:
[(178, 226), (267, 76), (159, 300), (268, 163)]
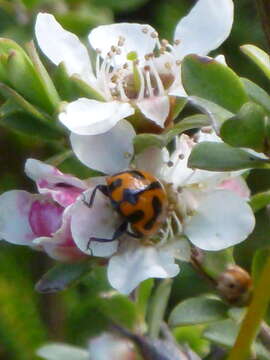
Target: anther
[(164, 42), (177, 42), (154, 35), (178, 62), (145, 30), (113, 48), (170, 163), (118, 51), (181, 156), (98, 51), (147, 68), (121, 41), (125, 66)]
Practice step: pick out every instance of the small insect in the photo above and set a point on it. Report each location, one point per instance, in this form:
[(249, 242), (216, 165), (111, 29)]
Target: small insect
[(139, 198)]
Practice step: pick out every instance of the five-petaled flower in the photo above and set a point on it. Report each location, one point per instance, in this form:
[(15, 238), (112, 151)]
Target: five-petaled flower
[(136, 76)]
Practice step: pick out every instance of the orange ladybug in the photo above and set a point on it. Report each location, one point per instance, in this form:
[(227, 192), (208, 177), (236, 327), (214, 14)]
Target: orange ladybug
[(139, 198)]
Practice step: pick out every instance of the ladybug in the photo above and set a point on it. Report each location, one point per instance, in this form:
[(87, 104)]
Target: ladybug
[(139, 198)]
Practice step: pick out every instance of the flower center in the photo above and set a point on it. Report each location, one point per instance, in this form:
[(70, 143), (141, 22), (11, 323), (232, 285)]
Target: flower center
[(137, 79)]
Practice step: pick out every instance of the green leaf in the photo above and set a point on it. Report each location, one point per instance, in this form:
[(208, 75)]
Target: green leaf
[(119, 309), (58, 351), (211, 80), (215, 156), (215, 262), (198, 310), (258, 56), (143, 141), (62, 276), (44, 77), (258, 263), (247, 128), (192, 335), (216, 113), (222, 333), (25, 78), (85, 90), (260, 200), (158, 306), (30, 126), (143, 293), (257, 94)]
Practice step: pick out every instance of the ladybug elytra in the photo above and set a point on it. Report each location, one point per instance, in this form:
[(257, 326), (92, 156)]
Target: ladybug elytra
[(139, 198)]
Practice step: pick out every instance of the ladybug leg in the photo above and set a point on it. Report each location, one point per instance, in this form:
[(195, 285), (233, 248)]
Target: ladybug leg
[(118, 232), (101, 188)]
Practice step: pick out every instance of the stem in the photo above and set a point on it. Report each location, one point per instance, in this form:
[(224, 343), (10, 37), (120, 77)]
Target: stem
[(264, 12), (252, 321), (158, 307)]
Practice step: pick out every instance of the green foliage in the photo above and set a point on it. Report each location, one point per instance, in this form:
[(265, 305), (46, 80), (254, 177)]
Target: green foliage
[(57, 351), (247, 128), (215, 156), (198, 310), (202, 77)]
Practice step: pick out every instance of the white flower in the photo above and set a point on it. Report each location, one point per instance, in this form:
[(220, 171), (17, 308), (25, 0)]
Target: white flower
[(134, 71), (208, 208)]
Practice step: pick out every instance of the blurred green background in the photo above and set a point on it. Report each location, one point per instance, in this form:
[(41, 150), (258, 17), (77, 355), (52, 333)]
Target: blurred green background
[(28, 319)]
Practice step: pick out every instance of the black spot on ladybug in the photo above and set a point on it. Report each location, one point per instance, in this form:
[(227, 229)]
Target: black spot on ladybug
[(115, 184), (135, 216), (157, 207)]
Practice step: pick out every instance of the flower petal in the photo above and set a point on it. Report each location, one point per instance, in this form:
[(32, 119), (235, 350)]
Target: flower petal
[(135, 263), (137, 38), (107, 346), (92, 117), (156, 109), (110, 152), (15, 206), (222, 219), (99, 221), (60, 45), (205, 28), (152, 159), (63, 188)]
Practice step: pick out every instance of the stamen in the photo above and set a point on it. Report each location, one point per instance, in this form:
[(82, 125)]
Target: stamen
[(142, 84), (154, 35), (121, 41), (157, 78), (177, 42), (122, 92), (178, 62), (148, 84), (181, 156), (145, 29)]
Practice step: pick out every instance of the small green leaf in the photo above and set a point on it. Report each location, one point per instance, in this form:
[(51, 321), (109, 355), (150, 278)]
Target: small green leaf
[(215, 156), (62, 276), (119, 309), (222, 333), (58, 351), (258, 263), (198, 310), (257, 94), (260, 200), (215, 262), (24, 77), (216, 113), (259, 57), (143, 141), (158, 306), (247, 128), (211, 80), (143, 293), (84, 89)]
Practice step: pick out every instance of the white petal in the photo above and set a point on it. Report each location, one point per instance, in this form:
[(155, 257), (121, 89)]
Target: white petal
[(92, 117), (110, 152), (60, 45), (222, 219), (137, 39), (152, 159), (156, 109), (108, 346), (15, 206), (205, 28), (135, 263), (99, 221)]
